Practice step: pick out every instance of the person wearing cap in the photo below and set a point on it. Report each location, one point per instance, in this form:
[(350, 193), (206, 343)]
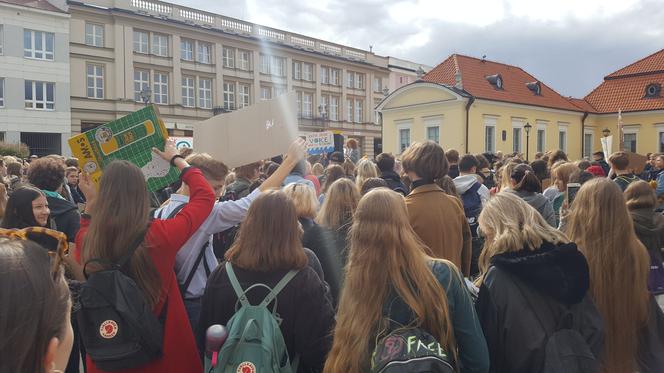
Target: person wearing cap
[(596, 170), (599, 158)]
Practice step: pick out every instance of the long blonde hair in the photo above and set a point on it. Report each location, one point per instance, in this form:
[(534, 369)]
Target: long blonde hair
[(385, 253), (339, 205), (365, 169), (511, 224), (602, 228)]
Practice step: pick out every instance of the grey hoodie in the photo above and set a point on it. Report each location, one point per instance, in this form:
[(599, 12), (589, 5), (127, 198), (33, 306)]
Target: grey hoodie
[(540, 203), (465, 182)]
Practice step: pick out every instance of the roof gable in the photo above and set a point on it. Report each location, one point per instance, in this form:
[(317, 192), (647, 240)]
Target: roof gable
[(419, 93), (653, 63)]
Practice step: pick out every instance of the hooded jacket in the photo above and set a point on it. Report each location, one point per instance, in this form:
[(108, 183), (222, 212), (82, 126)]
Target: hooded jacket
[(540, 203), (66, 216), (649, 227), (394, 182), (525, 292), (465, 182)]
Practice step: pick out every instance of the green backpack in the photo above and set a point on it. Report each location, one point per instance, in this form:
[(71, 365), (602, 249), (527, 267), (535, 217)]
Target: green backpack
[(254, 343)]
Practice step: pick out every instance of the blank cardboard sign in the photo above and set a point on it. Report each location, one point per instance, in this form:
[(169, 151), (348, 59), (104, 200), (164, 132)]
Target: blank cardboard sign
[(260, 131)]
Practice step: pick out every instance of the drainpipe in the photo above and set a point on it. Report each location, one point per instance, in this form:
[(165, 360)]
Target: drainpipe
[(583, 132), (470, 102)]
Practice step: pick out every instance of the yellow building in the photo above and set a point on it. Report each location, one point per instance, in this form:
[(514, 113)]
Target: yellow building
[(475, 105)]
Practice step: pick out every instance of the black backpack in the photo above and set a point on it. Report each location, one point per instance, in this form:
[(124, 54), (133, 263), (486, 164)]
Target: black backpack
[(472, 206), (410, 350), (223, 241), (118, 328)]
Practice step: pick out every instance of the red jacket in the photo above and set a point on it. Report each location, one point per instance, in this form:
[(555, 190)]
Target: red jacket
[(165, 238)]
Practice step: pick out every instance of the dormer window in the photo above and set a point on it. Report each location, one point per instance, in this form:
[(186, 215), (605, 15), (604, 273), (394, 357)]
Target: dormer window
[(496, 81), (653, 90), (535, 87)]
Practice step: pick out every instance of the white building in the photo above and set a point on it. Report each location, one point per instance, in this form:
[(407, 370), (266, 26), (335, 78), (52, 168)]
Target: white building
[(34, 75)]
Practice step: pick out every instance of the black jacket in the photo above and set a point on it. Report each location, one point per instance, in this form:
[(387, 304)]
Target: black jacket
[(649, 227), (394, 182), (66, 216), (308, 316), (548, 280), (322, 242)]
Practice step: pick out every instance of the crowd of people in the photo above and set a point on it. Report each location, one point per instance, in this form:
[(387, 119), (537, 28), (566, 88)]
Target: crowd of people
[(479, 263)]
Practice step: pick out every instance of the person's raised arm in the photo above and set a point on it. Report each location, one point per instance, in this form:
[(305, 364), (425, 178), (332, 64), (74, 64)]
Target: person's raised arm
[(296, 152)]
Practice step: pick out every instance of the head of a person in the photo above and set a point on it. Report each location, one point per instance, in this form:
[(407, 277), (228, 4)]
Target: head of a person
[(337, 158), (372, 183), (333, 173), (539, 155), (425, 160), (619, 161), (596, 171), (468, 164), (339, 205), (384, 254), (659, 162), (598, 156), (510, 224), (215, 171), (365, 169), (385, 162), (561, 172), (540, 168), (248, 172), (47, 173), (523, 179), (600, 223), (506, 174), (580, 177), (71, 173), (121, 216), (304, 199), (452, 156), (34, 308), (651, 159), (27, 207), (446, 183), (349, 168), (270, 236), (557, 156), (317, 169), (71, 162), (229, 179), (583, 164), (640, 195), (351, 144), (482, 162), (14, 169)]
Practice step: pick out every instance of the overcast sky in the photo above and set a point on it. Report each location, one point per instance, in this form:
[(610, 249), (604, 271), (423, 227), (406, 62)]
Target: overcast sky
[(568, 44)]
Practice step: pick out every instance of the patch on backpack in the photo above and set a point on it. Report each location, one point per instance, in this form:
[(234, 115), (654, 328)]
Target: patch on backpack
[(108, 329), (246, 367)]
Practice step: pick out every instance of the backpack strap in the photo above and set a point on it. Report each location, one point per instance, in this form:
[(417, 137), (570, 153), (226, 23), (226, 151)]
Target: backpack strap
[(192, 272), (241, 296), (548, 331), (123, 260), (279, 287)]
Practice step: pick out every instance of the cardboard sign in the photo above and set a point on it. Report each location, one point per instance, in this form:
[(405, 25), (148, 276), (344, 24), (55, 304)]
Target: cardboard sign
[(130, 138), (183, 142), (637, 162), (260, 131), (320, 142), (607, 143)]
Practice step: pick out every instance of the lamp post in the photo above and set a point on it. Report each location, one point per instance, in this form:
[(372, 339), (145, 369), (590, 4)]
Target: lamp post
[(527, 128), (606, 132)]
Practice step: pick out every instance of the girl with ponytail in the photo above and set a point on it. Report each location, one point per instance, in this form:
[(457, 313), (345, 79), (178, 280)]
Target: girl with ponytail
[(526, 185)]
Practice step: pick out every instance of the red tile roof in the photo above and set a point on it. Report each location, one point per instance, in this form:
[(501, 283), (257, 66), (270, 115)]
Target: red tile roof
[(37, 4), (582, 104), (473, 78), (625, 89)]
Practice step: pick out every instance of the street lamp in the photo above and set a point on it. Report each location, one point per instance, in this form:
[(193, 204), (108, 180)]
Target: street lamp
[(606, 132), (146, 95), (527, 128)]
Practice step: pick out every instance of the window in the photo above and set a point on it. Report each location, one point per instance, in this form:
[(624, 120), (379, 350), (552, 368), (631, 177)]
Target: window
[(587, 144), (308, 72), (350, 79), (244, 60), (160, 45), (297, 70), (541, 140), (334, 76), (95, 81), (160, 90), (244, 96), (562, 140), (141, 42), (265, 64), (94, 35), (433, 134), (630, 142), (324, 75), (141, 83), (38, 44), (187, 50), (359, 114), (229, 95), (204, 53), (490, 134), (661, 142), (205, 93), (324, 104), (349, 110), (516, 135), (39, 95), (307, 105), (229, 58), (359, 81), (377, 84), (266, 93), (653, 90), (2, 92), (404, 139), (188, 89), (278, 66), (333, 111)]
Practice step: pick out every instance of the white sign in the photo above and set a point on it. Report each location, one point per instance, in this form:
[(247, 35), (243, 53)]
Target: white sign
[(607, 143), (183, 142), (320, 142)]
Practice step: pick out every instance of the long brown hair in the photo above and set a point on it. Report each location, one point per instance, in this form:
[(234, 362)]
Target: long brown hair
[(385, 253), (602, 228), (121, 215), (270, 238), (339, 205)]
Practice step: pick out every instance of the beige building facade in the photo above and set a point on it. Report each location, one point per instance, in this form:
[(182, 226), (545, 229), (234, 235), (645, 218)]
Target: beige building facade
[(193, 65)]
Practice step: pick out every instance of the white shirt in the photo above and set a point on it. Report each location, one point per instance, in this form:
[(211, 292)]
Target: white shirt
[(224, 215)]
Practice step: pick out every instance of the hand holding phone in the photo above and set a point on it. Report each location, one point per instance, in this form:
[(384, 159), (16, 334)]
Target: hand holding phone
[(572, 190)]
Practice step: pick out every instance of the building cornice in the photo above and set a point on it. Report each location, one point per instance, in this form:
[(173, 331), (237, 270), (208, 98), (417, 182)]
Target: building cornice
[(528, 107), (35, 10)]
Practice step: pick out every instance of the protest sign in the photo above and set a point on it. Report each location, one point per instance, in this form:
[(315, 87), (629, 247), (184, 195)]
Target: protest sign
[(607, 143), (129, 138), (637, 162), (320, 142), (260, 131), (183, 142)]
